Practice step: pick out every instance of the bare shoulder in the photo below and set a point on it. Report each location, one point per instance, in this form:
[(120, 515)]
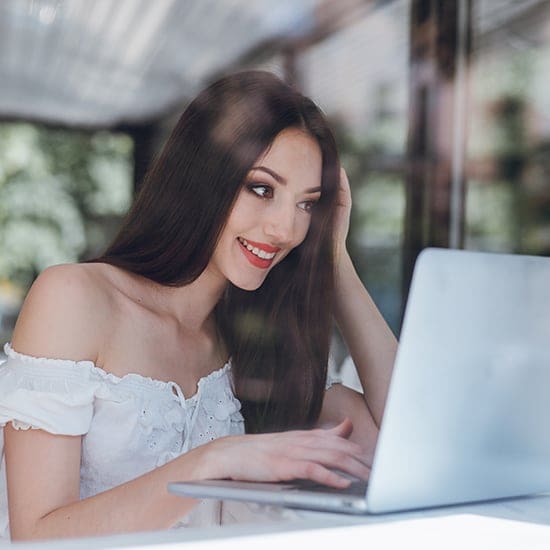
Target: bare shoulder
[(65, 313)]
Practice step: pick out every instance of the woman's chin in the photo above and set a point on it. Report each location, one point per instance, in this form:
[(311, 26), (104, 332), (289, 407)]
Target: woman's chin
[(249, 285)]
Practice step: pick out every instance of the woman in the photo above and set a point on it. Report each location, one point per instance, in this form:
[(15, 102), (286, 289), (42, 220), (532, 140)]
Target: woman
[(234, 248)]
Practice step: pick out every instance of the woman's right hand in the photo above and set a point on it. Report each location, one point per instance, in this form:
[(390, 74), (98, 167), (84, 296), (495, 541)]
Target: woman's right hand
[(283, 456)]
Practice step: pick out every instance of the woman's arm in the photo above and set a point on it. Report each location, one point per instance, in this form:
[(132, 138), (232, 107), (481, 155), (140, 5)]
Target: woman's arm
[(43, 478), (43, 495), (370, 341)]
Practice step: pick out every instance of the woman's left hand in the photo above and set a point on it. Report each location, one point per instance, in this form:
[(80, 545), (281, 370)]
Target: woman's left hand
[(342, 220)]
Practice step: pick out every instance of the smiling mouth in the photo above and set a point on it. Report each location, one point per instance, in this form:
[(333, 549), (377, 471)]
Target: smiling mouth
[(256, 255)]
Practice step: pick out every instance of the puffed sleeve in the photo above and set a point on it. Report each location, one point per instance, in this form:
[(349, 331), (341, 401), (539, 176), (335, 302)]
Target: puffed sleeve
[(55, 395)]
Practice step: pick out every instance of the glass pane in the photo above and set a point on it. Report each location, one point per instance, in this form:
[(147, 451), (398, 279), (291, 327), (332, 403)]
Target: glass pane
[(508, 191)]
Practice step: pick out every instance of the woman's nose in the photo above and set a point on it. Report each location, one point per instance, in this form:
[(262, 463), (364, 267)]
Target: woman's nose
[(280, 225)]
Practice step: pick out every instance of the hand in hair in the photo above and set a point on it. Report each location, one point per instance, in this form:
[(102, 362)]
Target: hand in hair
[(342, 220), (282, 456)]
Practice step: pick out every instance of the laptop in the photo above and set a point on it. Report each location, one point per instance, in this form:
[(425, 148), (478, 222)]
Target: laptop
[(468, 411)]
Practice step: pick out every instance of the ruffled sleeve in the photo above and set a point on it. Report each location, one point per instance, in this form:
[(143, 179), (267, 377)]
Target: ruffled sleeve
[(55, 395)]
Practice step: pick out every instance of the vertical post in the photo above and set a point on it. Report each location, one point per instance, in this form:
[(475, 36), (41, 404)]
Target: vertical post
[(460, 124), (439, 55)]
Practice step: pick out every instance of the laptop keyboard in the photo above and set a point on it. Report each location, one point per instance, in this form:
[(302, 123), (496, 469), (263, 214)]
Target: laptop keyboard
[(356, 488)]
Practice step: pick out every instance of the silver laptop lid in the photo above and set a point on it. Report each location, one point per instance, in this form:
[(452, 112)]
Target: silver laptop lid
[(468, 412)]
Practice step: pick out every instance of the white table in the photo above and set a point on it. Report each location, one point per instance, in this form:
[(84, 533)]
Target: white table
[(521, 524)]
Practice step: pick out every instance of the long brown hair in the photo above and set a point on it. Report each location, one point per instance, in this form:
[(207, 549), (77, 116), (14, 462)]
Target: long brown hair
[(278, 336)]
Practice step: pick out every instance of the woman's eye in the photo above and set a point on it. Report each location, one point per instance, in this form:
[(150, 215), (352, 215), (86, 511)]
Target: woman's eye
[(263, 191), (307, 206)]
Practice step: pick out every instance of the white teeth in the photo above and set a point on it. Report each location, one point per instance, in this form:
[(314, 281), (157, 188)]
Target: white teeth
[(257, 251)]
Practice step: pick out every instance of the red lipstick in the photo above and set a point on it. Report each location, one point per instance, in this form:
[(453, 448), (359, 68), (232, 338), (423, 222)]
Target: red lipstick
[(263, 246), (256, 261)]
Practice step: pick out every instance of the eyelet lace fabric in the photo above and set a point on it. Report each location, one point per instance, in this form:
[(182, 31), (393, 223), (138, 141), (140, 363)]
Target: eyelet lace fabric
[(129, 425)]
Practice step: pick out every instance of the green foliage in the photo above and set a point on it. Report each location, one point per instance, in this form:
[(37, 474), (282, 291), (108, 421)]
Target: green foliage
[(59, 191)]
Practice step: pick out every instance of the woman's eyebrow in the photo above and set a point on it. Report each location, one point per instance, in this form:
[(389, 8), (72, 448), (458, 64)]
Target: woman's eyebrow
[(281, 180), (272, 173)]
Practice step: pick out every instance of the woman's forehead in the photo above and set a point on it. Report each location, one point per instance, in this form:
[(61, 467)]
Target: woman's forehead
[(293, 155)]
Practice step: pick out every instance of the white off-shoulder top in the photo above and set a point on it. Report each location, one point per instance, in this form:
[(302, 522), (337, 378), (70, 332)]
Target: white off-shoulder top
[(129, 425)]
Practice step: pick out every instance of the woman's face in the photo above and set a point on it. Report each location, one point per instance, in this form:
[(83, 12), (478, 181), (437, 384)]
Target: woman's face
[(272, 213)]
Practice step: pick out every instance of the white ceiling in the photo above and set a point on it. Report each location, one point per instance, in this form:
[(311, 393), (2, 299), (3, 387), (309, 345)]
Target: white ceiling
[(107, 62)]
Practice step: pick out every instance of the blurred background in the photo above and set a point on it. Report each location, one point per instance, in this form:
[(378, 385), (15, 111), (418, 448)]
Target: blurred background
[(440, 109)]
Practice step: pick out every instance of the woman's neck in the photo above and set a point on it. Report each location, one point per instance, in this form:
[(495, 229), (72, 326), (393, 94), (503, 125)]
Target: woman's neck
[(190, 305), (194, 303)]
